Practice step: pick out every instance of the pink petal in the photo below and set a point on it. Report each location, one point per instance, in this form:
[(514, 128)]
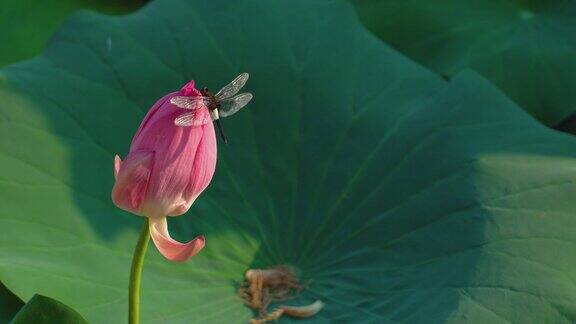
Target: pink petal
[(130, 188), (170, 248), (117, 162), (203, 166), (189, 89)]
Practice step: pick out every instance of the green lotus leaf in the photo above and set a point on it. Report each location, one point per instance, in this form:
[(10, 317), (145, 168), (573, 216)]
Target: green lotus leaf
[(45, 310), (398, 196), (9, 304), (524, 47)]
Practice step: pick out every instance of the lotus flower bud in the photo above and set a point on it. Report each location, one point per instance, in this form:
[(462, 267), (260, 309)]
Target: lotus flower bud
[(166, 169)]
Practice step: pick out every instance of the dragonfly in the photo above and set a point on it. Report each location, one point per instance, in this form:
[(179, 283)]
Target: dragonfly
[(222, 104)]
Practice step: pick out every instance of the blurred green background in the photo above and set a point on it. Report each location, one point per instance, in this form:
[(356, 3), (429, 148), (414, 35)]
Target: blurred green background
[(527, 48), (26, 25), (25, 28)]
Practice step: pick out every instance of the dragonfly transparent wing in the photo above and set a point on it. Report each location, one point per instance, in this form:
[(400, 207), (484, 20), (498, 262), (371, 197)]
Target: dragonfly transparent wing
[(192, 118), (231, 106), (190, 102), (233, 87)]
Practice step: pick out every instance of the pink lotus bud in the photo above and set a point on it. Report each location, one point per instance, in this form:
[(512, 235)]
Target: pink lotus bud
[(167, 168)]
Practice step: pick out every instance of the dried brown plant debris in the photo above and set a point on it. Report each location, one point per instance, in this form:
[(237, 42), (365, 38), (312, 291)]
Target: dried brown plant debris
[(279, 283)]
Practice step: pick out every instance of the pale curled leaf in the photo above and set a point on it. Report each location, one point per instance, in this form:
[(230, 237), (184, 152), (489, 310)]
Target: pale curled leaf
[(303, 311)]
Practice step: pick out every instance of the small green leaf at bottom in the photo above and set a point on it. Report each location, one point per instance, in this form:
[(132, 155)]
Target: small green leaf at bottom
[(44, 310)]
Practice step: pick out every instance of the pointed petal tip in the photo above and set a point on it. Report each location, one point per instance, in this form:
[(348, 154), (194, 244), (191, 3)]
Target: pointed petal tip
[(117, 162)]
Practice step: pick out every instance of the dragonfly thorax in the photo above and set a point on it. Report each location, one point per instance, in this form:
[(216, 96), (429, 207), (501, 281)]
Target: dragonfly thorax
[(213, 102)]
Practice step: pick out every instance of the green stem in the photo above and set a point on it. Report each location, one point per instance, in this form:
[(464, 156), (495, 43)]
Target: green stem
[(136, 274)]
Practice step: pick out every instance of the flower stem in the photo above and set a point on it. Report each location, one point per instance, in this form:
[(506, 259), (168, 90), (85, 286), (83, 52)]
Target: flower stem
[(136, 274)]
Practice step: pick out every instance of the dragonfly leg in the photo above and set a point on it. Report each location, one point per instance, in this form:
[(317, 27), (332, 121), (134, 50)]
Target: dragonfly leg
[(221, 130)]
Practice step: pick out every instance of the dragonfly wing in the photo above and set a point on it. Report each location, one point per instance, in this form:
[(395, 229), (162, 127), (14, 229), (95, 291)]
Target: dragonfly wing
[(231, 106), (192, 118), (233, 87), (190, 103), (185, 119)]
